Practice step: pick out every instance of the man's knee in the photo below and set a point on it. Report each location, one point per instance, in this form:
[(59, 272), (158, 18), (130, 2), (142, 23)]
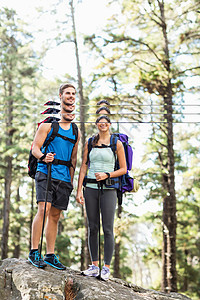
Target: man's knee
[(54, 214), (41, 209)]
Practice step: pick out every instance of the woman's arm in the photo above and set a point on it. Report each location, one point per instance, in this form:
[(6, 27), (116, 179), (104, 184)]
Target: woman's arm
[(122, 164), (82, 173)]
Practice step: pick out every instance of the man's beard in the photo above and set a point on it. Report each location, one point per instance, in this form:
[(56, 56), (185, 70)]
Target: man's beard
[(66, 103), (68, 119), (67, 110)]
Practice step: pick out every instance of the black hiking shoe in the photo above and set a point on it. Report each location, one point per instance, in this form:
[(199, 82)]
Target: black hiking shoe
[(35, 259), (53, 261)]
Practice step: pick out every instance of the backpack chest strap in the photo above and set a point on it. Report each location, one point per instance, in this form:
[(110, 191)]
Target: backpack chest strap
[(66, 138), (60, 162), (107, 181)]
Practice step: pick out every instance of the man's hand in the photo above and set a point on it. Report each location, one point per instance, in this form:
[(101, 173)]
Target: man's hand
[(49, 157)]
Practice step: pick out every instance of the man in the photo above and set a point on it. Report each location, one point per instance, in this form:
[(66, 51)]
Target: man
[(62, 149)]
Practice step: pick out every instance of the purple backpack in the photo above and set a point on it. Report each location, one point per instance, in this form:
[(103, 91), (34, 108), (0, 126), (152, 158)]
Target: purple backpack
[(126, 183)]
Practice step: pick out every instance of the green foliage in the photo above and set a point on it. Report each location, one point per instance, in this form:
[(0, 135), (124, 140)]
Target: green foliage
[(133, 67), (64, 248), (188, 240), (17, 69), (146, 52), (188, 216)]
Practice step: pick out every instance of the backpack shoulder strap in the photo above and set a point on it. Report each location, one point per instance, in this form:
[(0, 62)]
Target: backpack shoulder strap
[(75, 131), (113, 143), (55, 126), (89, 147)]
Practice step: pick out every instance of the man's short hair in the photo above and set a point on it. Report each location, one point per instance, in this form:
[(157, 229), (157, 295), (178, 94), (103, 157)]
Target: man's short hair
[(65, 86), (103, 108)]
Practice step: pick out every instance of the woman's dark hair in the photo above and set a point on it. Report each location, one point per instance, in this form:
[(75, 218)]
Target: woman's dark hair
[(96, 137), (95, 140), (103, 108), (103, 102), (102, 117)]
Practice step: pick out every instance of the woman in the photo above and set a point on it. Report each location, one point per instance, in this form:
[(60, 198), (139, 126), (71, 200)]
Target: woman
[(100, 167)]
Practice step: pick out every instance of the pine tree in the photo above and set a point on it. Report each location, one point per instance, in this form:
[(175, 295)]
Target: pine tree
[(142, 48), (17, 67)]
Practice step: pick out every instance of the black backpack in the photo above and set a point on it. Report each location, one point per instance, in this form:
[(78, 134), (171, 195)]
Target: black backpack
[(33, 161)]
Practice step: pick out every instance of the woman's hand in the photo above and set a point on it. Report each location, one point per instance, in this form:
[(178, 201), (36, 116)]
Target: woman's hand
[(101, 176), (80, 198)]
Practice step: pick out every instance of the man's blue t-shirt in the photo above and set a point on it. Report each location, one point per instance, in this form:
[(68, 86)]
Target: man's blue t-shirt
[(63, 149)]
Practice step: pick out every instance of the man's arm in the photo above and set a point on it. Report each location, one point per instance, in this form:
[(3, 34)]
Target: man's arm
[(39, 139), (74, 157)]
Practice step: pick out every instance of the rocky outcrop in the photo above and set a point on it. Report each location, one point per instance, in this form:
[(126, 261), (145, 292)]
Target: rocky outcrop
[(20, 280)]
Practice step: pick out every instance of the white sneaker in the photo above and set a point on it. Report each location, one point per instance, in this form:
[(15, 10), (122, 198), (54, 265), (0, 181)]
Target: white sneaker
[(92, 271), (105, 273)]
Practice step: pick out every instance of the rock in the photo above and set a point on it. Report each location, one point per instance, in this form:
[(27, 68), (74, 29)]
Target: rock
[(20, 280)]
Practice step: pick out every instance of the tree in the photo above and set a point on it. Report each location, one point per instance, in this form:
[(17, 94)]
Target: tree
[(188, 242), (146, 52), (85, 259), (16, 66)]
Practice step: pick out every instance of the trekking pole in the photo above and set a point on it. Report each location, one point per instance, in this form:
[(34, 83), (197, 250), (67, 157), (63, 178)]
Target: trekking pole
[(46, 197), (99, 198)]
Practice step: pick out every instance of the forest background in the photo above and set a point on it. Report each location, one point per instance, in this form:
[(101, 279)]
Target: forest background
[(143, 57)]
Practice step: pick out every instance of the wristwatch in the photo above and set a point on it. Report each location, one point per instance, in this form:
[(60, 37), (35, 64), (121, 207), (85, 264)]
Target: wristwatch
[(108, 174), (42, 157)]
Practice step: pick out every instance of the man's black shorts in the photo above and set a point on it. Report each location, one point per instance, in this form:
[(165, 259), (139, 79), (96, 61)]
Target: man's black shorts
[(58, 194)]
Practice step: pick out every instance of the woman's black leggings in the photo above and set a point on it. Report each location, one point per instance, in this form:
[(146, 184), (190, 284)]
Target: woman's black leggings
[(108, 200)]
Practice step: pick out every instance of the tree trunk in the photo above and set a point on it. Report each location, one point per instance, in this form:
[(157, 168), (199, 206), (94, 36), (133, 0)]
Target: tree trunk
[(185, 278), (164, 245), (31, 215), (169, 241), (80, 84), (16, 230), (82, 244), (8, 170), (6, 208), (85, 255), (172, 222)]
